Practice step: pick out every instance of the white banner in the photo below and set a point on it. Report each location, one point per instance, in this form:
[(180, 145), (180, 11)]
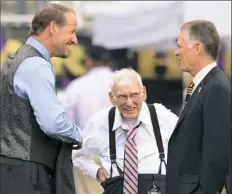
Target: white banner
[(156, 24)]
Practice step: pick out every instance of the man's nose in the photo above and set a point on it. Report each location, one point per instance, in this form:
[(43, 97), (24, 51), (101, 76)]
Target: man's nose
[(129, 101), (176, 52), (74, 40)]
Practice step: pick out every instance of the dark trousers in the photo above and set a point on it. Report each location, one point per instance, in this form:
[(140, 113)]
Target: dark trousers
[(23, 177), (115, 185), (229, 184)]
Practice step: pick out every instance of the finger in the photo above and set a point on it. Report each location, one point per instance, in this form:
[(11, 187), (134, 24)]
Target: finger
[(102, 179), (107, 175)]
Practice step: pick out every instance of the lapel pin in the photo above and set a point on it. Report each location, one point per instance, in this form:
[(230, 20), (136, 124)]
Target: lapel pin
[(200, 89)]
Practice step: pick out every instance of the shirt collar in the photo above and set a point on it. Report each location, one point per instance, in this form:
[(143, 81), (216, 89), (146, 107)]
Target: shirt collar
[(144, 117), (202, 73), (38, 46)]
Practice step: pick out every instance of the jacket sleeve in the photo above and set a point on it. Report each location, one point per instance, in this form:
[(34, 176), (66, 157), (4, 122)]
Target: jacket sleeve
[(216, 139)]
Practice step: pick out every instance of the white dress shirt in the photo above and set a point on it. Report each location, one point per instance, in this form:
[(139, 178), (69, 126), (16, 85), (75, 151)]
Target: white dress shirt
[(96, 141), (202, 73), (87, 95)]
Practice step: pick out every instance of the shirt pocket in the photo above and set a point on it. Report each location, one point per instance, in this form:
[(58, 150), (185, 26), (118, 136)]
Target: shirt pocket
[(147, 149), (148, 158)]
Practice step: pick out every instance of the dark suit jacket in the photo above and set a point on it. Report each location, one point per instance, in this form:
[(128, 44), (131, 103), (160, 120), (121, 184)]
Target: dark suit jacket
[(63, 180), (200, 146)]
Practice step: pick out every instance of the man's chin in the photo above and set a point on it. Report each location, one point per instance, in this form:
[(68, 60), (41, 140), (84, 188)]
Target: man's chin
[(182, 68), (130, 116), (64, 56)]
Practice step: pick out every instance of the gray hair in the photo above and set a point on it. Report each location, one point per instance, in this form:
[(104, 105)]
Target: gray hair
[(125, 76), (205, 32), (46, 14)]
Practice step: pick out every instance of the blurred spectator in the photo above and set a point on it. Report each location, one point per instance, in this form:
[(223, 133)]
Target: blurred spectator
[(93, 87)]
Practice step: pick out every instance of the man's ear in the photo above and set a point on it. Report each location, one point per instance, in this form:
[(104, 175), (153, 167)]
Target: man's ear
[(52, 27), (144, 97), (112, 99), (199, 48)]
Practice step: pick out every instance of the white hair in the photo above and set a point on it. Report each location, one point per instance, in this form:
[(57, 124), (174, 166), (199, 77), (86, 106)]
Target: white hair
[(125, 76)]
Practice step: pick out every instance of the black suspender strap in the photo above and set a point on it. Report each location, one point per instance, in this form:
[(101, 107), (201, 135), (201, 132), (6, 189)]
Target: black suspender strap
[(112, 143), (112, 135), (157, 134), (156, 128)]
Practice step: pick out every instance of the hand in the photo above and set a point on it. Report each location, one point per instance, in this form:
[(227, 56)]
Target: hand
[(102, 175)]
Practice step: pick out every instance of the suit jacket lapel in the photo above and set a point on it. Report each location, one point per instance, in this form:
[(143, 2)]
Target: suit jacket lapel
[(189, 105), (192, 100)]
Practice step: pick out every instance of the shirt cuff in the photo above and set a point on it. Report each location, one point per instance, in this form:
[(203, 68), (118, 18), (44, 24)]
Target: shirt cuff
[(92, 170), (78, 135)]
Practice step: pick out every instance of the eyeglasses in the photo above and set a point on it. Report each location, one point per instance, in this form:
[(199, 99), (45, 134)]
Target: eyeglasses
[(134, 97)]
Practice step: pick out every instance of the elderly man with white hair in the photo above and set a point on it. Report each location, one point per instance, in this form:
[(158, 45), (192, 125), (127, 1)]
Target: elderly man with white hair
[(126, 138)]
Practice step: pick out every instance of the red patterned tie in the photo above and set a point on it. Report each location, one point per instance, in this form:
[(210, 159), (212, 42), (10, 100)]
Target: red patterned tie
[(130, 185)]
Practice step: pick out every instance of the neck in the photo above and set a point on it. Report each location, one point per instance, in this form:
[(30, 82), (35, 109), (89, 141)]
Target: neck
[(130, 122), (200, 65), (42, 40)]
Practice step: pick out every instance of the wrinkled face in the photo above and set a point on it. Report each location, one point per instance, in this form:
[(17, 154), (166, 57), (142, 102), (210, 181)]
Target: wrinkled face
[(64, 36), (185, 52), (128, 98)]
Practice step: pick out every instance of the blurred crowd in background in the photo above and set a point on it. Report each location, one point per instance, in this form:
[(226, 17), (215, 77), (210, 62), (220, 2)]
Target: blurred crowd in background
[(152, 57)]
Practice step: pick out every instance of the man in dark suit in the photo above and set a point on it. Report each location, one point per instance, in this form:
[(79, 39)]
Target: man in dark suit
[(200, 147)]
